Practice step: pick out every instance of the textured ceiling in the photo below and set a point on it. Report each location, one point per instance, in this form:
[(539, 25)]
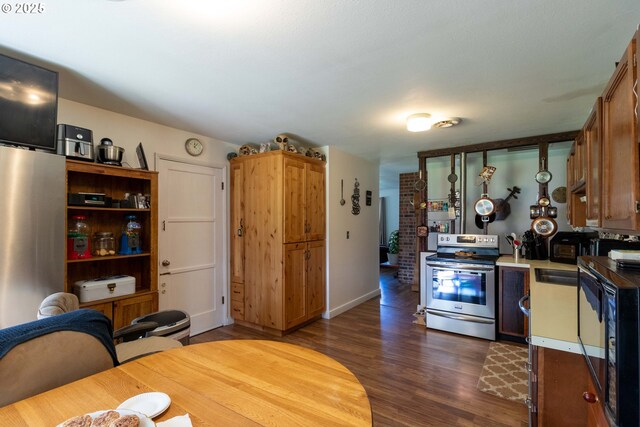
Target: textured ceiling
[(334, 72)]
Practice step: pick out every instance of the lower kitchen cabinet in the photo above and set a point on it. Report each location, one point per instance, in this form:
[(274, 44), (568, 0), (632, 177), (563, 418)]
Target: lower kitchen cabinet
[(303, 281), (560, 379), (123, 311), (513, 284), (237, 300), (595, 410)]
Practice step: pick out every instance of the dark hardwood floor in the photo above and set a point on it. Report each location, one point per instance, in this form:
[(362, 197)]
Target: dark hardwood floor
[(413, 376)]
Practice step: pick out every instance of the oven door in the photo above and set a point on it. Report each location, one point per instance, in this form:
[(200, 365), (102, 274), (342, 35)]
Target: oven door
[(461, 288)]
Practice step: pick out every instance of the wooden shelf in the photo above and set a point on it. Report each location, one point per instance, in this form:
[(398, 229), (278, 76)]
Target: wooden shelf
[(93, 208), (107, 258)]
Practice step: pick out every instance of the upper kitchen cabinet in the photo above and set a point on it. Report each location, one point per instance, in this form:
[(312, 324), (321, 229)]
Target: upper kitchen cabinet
[(593, 141), (579, 166), (620, 174), (304, 200)]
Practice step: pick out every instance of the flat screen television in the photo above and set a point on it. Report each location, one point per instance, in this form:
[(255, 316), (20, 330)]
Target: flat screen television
[(28, 104)]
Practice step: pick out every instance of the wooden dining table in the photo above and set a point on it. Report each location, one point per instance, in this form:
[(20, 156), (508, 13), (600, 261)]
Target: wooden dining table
[(220, 383)]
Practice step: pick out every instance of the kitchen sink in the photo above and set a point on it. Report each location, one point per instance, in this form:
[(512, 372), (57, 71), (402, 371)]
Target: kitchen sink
[(558, 277)]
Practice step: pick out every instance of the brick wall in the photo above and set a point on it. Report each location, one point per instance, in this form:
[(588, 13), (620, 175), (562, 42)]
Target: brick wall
[(407, 228)]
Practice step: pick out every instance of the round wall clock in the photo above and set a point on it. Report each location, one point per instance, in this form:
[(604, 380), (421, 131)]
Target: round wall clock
[(193, 146)]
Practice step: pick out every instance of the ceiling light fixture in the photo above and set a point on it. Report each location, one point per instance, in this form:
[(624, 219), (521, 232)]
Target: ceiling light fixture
[(447, 123), (419, 122)]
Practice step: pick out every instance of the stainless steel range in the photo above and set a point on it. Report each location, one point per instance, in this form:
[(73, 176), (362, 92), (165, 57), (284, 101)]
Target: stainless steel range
[(460, 285)]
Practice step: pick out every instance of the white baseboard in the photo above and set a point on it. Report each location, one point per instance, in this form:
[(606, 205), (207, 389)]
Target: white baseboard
[(349, 305)]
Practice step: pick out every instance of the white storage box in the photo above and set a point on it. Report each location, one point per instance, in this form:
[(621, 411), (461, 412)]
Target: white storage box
[(104, 287), (616, 254)]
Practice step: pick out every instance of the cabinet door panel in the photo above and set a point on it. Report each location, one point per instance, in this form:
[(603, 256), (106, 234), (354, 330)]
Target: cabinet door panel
[(237, 223), (513, 285), (263, 247), (125, 310), (315, 202), (294, 201), (315, 279), (593, 140), (104, 308), (620, 151), (294, 284)]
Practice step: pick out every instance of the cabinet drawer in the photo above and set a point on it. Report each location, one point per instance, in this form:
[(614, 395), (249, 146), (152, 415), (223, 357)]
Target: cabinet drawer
[(237, 292), (237, 309)]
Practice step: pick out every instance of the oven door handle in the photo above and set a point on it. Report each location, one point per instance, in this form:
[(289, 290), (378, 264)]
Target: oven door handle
[(460, 267), (521, 302), (460, 317)]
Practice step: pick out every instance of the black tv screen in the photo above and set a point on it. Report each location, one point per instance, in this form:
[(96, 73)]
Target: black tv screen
[(28, 104)]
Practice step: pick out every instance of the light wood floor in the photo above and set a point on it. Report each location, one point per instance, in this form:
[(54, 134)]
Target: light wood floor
[(413, 376)]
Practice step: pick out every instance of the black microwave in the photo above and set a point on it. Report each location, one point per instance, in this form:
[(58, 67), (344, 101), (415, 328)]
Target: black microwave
[(567, 246), (608, 328)]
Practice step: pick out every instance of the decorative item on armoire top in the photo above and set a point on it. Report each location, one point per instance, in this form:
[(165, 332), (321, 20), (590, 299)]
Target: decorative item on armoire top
[(282, 141), (368, 198), (265, 147), (247, 150), (355, 198), (232, 155)]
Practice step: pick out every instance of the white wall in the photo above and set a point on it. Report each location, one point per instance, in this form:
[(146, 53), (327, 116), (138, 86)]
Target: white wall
[(353, 273), (127, 132), (392, 209), (512, 168), (516, 168)]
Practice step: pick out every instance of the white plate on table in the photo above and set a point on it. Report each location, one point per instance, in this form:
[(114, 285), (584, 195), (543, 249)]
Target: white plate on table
[(150, 404)]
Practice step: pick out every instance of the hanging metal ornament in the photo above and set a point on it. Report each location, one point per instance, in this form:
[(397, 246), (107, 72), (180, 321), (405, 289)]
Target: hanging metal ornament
[(355, 198)]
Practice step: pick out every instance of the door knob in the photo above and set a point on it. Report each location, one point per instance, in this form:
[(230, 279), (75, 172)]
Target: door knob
[(166, 263)]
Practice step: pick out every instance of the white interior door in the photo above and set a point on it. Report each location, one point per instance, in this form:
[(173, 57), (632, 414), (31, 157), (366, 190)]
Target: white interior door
[(191, 240)]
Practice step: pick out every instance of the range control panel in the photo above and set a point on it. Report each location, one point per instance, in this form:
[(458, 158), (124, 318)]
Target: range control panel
[(468, 240)]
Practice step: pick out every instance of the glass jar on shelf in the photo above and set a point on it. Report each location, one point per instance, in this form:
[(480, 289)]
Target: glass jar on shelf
[(78, 246), (103, 244), (130, 240)]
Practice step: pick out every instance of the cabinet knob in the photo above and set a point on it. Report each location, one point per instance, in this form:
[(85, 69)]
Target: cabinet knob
[(166, 263), (589, 397)]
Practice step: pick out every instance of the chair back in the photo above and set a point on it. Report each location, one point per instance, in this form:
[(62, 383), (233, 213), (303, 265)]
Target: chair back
[(47, 353)]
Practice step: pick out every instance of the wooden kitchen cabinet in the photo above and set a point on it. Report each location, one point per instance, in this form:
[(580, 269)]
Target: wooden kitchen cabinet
[(595, 411), (513, 284), (127, 309), (620, 165), (114, 182), (579, 164), (278, 203), (560, 380), (304, 281), (593, 142), (304, 200)]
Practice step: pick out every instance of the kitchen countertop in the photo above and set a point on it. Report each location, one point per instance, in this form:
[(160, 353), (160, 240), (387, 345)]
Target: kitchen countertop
[(553, 317)]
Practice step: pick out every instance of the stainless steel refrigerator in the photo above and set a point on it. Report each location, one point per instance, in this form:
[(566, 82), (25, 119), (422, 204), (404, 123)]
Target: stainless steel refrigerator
[(32, 235)]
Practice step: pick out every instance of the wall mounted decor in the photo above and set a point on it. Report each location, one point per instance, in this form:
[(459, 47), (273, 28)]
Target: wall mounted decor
[(355, 198), (368, 198)]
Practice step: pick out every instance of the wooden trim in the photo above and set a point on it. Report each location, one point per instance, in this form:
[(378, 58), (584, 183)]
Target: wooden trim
[(497, 145)]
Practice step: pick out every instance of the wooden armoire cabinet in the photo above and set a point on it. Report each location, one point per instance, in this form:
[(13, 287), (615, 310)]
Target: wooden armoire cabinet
[(277, 240)]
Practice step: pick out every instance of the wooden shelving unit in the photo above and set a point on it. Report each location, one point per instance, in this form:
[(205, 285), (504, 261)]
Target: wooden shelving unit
[(115, 181)]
